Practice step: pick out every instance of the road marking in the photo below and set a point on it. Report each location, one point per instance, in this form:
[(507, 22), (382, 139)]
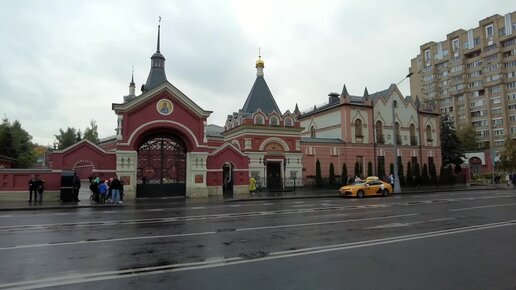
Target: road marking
[(235, 205), (484, 206), (198, 207), (323, 223), (62, 280), (395, 225)]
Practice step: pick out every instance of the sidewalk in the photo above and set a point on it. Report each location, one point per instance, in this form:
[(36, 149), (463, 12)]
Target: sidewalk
[(85, 202)]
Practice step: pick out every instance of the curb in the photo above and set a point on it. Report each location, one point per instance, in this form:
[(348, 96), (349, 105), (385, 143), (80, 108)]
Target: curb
[(61, 207)]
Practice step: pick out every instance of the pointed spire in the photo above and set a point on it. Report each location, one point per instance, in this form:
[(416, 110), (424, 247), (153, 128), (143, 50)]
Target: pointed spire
[(417, 102), (366, 94), (132, 77), (344, 92), (157, 74), (131, 88), (296, 111), (159, 27)]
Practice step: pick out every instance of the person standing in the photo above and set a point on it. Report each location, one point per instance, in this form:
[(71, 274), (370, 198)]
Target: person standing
[(33, 187), (103, 189), (390, 179), (41, 188), (116, 187), (252, 185), (76, 186)]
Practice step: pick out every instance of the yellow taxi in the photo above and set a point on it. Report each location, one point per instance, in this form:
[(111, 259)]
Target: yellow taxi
[(372, 186)]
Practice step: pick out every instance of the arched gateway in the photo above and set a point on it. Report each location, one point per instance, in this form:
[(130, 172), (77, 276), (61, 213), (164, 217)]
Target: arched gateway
[(161, 168)]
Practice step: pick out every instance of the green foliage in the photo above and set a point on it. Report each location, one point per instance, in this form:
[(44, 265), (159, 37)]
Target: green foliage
[(425, 178), (409, 178), (66, 138), (400, 171), (16, 143), (468, 138), (344, 174), (451, 149), (331, 178), (381, 169), (369, 168), (357, 169), (318, 177), (91, 133), (433, 172), (508, 155)]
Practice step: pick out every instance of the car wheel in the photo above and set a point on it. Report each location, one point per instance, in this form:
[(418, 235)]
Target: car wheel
[(385, 192), (360, 194)]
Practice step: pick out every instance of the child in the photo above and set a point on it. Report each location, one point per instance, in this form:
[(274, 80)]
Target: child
[(103, 189)]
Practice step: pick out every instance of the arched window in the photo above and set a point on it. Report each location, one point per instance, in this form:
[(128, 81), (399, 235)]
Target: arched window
[(274, 121), (289, 122), (428, 133), (379, 132), (312, 132), (413, 140), (358, 128), (258, 119)]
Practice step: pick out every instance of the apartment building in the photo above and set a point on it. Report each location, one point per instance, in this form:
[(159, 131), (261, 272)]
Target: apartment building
[(471, 76)]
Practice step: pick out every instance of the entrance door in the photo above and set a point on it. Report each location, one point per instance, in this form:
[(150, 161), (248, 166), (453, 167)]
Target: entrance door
[(227, 181), (274, 176), (161, 167)]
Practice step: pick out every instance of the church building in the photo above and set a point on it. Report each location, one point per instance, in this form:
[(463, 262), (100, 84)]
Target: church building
[(165, 147)]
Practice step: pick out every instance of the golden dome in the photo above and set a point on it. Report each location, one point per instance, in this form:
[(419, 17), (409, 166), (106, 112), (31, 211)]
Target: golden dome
[(260, 62)]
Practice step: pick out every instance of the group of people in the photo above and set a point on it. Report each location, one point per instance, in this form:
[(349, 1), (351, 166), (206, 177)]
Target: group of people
[(36, 188), (507, 178), (107, 191)]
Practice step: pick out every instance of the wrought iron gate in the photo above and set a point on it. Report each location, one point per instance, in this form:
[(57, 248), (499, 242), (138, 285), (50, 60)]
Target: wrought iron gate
[(161, 166)]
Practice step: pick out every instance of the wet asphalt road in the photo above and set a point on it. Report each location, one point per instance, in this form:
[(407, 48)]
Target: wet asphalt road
[(458, 240)]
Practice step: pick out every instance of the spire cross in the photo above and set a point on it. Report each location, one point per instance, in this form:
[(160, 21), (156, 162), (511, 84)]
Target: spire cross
[(159, 24), (259, 52)]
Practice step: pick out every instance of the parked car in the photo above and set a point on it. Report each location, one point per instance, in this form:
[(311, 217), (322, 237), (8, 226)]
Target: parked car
[(372, 186)]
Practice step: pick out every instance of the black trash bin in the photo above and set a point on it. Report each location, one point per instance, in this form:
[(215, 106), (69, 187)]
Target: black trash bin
[(67, 186)]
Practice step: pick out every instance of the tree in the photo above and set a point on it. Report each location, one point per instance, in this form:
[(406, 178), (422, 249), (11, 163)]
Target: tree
[(16, 143), (451, 148), (424, 176), (433, 172), (381, 168), (369, 168), (409, 178), (331, 179), (344, 174), (357, 169), (400, 171), (66, 138), (318, 177), (91, 133), (508, 155), (417, 173), (468, 138)]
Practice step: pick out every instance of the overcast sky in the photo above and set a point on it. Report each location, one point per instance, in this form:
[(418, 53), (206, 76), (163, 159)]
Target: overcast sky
[(63, 63)]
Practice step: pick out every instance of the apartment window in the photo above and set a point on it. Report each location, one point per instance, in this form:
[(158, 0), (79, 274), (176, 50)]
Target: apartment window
[(427, 55), (475, 84), (501, 31), (455, 44), (511, 86), (511, 107), (512, 119), (475, 74), (496, 111), (428, 77), (513, 130), (509, 42), (476, 41), (510, 63), (511, 97), (497, 100), (460, 98), (358, 128), (511, 74), (493, 78), (480, 113), (498, 132), (497, 122), (495, 90), (483, 133), (456, 68), (481, 123), (492, 67), (461, 108), (491, 57), (489, 32)]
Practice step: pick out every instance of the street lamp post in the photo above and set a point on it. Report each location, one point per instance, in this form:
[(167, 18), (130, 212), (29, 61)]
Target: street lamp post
[(397, 187)]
